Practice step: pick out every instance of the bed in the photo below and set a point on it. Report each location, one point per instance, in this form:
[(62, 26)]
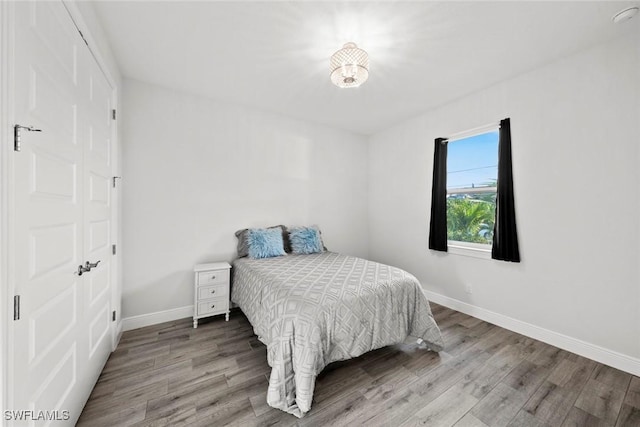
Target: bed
[(311, 310)]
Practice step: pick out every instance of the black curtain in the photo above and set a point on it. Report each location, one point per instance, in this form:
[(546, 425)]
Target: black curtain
[(438, 226), (505, 236)]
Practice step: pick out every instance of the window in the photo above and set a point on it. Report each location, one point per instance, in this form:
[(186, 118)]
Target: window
[(479, 183), (472, 175)]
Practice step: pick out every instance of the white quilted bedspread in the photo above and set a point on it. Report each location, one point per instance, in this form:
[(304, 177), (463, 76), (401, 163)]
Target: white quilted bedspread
[(311, 310)]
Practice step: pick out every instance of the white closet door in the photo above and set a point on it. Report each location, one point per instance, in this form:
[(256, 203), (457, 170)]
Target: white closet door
[(61, 215), (95, 127)]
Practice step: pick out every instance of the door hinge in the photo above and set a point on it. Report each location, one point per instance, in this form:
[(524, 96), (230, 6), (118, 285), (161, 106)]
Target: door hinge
[(114, 179), (113, 316), (17, 135), (16, 307), (113, 249), (113, 114)]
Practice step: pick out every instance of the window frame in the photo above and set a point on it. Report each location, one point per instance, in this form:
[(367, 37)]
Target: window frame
[(476, 250)]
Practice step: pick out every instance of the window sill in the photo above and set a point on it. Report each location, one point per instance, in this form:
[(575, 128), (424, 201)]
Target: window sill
[(473, 250)]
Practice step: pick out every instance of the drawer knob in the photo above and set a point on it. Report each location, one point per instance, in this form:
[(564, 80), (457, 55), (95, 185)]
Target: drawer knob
[(213, 305), (213, 277), (213, 291)]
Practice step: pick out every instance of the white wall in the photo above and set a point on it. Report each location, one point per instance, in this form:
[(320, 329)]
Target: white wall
[(575, 129), (195, 171)]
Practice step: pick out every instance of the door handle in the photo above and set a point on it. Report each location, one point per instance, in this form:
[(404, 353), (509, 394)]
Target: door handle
[(82, 269), (91, 265), (17, 134), (86, 267)]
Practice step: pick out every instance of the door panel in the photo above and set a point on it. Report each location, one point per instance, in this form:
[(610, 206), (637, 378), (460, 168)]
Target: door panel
[(52, 102), (98, 331), (98, 286), (50, 24), (62, 214), (96, 127), (99, 188), (53, 176), (51, 247), (51, 323), (98, 235), (57, 387), (48, 212)]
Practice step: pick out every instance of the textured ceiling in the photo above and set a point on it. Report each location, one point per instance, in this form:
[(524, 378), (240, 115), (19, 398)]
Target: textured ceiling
[(274, 55)]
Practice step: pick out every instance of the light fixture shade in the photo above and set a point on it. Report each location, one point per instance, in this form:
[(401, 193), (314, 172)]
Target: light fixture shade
[(349, 66)]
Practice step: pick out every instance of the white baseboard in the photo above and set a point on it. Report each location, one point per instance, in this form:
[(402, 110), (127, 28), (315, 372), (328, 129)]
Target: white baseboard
[(135, 322), (591, 351)]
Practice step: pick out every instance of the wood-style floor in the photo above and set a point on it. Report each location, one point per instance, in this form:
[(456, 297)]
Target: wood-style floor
[(172, 374)]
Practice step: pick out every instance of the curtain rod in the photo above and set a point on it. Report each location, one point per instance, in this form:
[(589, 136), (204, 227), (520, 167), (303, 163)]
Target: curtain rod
[(476, 130)]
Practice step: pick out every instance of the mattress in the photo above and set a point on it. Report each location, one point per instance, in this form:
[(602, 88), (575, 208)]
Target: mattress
[(311, 310)]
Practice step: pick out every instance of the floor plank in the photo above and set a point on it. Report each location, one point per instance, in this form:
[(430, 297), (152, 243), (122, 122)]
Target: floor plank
[(445, 410), (628, 417), (217, 374), (633, 394), (579, 418), (469, 421), (500, 406), (550, 404), (601, 400)]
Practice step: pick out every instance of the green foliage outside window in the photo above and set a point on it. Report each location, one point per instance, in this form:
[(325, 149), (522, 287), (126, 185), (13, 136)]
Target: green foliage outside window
[(470, 218)]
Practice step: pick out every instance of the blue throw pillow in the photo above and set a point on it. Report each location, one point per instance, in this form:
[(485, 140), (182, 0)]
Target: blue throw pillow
[(305, 240), (265, 243)]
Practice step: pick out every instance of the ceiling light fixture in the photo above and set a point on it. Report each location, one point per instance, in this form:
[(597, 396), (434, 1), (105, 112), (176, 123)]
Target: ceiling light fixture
[(625, 15), (349, 66)]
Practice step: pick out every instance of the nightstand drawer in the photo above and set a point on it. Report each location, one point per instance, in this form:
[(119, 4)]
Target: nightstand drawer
[(217, 305), (215, 291), (213, 277)]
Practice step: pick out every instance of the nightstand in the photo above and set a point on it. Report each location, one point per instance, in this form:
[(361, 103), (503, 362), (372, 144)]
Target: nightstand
[(211, 290)]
